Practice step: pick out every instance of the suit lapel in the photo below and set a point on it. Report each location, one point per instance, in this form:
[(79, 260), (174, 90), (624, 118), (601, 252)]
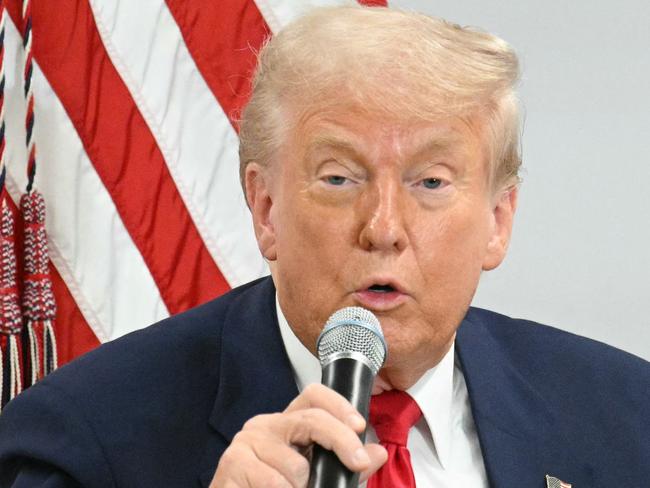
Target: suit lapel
[(519, 436), (255, 375)]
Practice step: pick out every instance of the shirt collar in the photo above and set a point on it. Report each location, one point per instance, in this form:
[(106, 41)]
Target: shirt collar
[(432, 392), (306, 367)]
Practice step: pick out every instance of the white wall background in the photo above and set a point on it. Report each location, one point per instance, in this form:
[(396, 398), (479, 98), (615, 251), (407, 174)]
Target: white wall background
[(580, 255)]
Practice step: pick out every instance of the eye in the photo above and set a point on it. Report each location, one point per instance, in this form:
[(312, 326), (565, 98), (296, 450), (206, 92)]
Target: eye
[(336, 180), (431, 183)]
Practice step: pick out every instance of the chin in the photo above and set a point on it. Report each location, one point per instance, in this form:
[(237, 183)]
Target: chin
[(395, 379), (413, 357)]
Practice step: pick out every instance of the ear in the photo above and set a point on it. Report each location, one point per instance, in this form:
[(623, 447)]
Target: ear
[(502, 216), (258, 195)]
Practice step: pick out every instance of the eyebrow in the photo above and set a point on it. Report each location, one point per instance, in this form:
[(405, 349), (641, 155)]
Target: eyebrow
[(325, 141), (438, 144), (432, 145)]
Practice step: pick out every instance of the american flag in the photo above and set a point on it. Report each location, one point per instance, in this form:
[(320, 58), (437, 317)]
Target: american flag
[(136, 104), (552, 482)]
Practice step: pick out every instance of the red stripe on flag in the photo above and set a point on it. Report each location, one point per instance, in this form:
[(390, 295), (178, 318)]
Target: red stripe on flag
[(118, 141), (374, 3), (73, 335), (222, 38)]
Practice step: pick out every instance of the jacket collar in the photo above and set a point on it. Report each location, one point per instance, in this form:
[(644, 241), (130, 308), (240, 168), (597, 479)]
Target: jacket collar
[(521, 439), (255, 376)]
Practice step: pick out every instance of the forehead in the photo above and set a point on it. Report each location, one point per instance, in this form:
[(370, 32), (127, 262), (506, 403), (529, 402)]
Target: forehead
[(369, 134), (402, 139)]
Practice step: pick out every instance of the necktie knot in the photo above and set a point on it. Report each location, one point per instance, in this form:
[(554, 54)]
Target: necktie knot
[(392, 414)]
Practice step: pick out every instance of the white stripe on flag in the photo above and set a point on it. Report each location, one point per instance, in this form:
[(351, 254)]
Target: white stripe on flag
[(279, 13), (90, 246), (192, 131)]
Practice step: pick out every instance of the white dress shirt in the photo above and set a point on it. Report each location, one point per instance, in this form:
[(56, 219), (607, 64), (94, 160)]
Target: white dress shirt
[(444, 446)]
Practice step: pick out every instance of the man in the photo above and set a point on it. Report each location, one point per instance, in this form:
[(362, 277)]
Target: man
[(379, 156)]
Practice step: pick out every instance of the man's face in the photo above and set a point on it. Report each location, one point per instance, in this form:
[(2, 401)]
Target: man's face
[(397, 218)]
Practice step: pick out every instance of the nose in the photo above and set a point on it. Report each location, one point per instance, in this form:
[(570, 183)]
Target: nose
[(383, 218)]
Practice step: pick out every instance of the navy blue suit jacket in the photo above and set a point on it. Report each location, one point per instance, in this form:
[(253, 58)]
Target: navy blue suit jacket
[(158, 407)]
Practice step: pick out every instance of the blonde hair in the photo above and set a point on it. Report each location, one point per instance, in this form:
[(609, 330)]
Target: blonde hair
[(405, 65)]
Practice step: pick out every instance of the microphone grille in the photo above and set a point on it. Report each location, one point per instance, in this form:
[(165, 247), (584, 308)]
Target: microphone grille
[(353, 330)]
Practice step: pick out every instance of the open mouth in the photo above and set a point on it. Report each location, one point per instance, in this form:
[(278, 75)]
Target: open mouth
[(381, 288), (382, 296)]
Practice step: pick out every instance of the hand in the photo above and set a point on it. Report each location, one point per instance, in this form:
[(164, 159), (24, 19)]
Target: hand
[(265, 452)]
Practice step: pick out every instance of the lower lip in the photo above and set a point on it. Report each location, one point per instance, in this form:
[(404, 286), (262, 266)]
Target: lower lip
[(380, 301)]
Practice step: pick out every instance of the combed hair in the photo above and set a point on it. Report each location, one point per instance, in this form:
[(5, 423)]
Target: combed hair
[(403, 65)]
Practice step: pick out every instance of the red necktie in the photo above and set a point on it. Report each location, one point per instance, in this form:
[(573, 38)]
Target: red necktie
[(392, 414)]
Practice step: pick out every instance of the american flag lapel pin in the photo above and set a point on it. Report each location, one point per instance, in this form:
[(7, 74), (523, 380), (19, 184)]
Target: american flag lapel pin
[(552, 482)]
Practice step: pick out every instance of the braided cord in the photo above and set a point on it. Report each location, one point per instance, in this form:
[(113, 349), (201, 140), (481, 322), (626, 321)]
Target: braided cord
[(3, 22), (28, 72), (38, 305), (10, 315)]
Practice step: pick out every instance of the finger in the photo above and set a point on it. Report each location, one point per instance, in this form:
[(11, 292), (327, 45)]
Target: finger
[(240, 466), (319, 396), (265, 476), (378, 456), (306, 426), (288, 462)]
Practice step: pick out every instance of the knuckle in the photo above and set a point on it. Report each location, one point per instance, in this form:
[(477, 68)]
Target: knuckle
[(250, 424), (240, 438), (313, 415), (312, 418), (313, 389), (258, 422), (246, 440), (323, 397), (315, 424), (229, 457), (253, 423), (304, 416)]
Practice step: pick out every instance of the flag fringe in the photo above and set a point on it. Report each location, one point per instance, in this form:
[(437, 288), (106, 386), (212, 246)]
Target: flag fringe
[(14, 368), (50, 353), (39, 307), (10, 375), (11, 322), (32, 356)]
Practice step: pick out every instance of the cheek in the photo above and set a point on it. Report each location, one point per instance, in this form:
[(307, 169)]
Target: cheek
[(469, 236), (315, 228), (312, 252), (312, 245), (450, 255), (309, 233)]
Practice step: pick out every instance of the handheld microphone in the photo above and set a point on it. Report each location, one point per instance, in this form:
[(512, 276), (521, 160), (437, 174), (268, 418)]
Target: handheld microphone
[(351, 350)]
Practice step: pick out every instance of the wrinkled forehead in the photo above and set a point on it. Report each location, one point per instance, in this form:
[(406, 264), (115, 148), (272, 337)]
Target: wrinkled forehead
[(355, 130)]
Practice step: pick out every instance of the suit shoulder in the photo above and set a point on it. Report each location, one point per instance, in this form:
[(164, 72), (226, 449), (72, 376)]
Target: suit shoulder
[(129, 399), (175, 342), (540, 349), (176, 357)]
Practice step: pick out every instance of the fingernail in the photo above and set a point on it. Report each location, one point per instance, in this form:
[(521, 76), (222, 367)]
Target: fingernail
[(361, 456), (356, 421)]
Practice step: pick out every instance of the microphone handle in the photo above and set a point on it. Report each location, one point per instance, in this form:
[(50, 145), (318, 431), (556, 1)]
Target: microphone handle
[(353, 379)]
